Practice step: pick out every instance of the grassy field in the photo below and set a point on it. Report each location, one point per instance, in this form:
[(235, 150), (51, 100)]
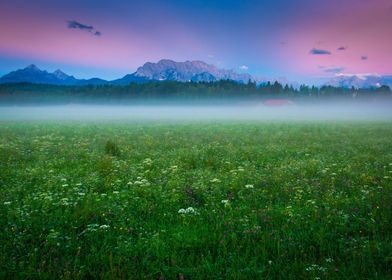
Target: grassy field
[(196, 201)]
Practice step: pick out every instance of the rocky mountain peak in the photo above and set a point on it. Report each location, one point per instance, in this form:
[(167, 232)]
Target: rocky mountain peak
[(60, 74), (32, 67)]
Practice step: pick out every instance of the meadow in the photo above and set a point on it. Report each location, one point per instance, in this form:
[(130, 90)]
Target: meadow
[(223, 200)]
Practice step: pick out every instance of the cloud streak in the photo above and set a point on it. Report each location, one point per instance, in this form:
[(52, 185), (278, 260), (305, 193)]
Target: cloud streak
[(73, 24), (332, 69), (315, 51)]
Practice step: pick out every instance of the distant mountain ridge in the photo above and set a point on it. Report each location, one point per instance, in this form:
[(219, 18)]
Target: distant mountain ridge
[(163, 70), (32, 74), (169, 70), (360, 81), (187, 71)]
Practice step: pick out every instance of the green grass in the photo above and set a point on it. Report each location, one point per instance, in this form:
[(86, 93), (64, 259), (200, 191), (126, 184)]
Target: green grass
[(268, 201)]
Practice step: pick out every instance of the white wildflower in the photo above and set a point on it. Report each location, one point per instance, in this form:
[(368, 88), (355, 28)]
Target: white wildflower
[(189, 210), (147, 161), (104, 226), (225, 202), (240, 169)]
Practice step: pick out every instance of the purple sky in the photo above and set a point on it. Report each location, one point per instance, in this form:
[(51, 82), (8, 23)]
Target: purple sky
[(299, 39)]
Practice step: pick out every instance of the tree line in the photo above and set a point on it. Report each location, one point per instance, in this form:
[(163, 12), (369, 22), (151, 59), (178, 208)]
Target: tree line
[(224, 90)]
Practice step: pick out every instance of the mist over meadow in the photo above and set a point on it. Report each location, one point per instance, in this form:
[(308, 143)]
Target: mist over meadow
[(193, 101), (332, 111)]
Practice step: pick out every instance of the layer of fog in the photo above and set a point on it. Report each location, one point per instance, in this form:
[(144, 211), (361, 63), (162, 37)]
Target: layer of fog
[(330, 112)]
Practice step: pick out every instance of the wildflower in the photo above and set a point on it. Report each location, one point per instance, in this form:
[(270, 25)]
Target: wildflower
[(269, 262), (147, 161), (64, 201), (249, 186), (226, 202), (145, 183), (104, 226), (189, 210), (91, 227)]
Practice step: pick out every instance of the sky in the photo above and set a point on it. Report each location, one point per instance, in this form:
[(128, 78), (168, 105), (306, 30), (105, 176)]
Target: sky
[(301, 40)]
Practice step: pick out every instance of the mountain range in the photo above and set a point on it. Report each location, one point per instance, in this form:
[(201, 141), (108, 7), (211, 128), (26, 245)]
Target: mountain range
[(32, 74), (169, 70), (360, 80), (163, 70)]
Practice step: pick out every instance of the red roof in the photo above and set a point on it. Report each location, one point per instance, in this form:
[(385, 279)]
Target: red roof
[(277, 102)]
